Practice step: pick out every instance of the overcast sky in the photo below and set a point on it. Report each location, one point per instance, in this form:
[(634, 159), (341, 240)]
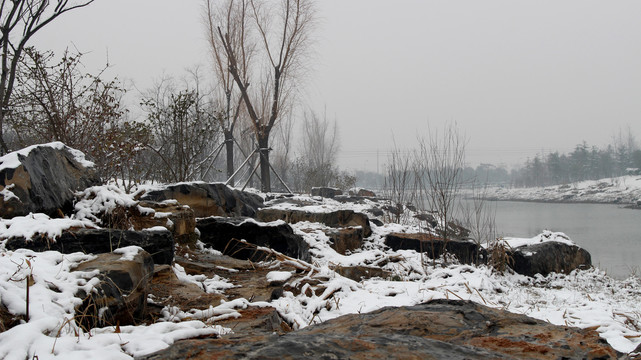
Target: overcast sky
[(518, 77)]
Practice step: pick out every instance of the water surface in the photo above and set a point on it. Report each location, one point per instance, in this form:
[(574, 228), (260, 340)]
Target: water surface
[(610, 233)]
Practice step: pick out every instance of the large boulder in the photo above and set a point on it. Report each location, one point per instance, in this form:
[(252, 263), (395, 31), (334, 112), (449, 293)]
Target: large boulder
[(550, 256), (344, 240), (121, 295), (362, 192), (466, 251), (326, 192), (177, 218), (335, 219), (157, 241), (439, 329), (43, 178), (360, 272), (206, 199), (223, 234)]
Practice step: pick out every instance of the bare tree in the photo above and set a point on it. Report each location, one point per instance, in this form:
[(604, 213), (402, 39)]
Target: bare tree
[(282, 159), (440, 161), (56, 101), (479, 215), (320, 144), (183, 123), (264, 47), (316, 162), (399, 186), (19, 21), (228, 92)]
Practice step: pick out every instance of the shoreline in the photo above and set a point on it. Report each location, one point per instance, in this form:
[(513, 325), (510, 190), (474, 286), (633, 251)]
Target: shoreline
[(627, 205)]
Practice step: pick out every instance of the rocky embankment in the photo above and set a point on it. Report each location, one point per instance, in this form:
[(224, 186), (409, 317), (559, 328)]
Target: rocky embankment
[(262, 276)]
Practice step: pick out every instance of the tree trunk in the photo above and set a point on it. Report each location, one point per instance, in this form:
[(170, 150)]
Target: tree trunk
[(4, 149), (229, 148), (263, 143)]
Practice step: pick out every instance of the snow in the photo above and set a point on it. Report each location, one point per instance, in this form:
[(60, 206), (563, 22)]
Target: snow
[(217, 284), (12, 160), (278, 276), (102, 199), (128, 252), (38, 224), (7, 194), (623, 189), (541, 238), (586, 299)]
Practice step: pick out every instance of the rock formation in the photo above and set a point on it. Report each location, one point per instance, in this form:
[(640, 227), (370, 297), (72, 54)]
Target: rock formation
[(548, 257), (120, 298), (205, 199), (335, 219), (43, 178), (467, 252), (158, 242), (223, 234), (440, 329)]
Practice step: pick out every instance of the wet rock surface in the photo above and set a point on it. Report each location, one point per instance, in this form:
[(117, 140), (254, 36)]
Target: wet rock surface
[(440, 329), (159, 243), (44, 180)]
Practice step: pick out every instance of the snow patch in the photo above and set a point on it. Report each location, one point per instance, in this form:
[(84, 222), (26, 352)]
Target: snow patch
[(546, 236), (12, 159), (32, 225), (128, 252), (278, 276)]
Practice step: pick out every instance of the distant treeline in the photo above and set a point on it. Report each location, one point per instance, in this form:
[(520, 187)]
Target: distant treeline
[(585, 162)]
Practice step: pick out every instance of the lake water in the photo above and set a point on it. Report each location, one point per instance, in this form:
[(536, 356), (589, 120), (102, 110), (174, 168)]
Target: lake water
[(610, 233)]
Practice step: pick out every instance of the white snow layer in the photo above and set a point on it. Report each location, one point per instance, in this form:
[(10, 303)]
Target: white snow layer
[(12, 161), (587, 299), (623, 189)]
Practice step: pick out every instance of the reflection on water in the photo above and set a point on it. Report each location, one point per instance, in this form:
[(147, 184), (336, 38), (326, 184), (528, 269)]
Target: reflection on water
[(610, 233)]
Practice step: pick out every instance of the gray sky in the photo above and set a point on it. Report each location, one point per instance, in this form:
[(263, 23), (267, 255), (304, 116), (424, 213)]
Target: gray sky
[(518, 77)]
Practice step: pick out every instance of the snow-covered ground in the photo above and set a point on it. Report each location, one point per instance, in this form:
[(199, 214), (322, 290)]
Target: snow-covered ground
[(587, 299), (623, 190)]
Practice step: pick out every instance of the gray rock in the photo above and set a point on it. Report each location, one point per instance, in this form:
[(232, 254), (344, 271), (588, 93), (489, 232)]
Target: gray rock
[(205, 199), (121, 295), (335, 219), (326, 192), (362, 192), (439, 329), (467, 252), (360, 272), (43, 179), (159, 243), (551, 256), (223, 234), (345, 239)]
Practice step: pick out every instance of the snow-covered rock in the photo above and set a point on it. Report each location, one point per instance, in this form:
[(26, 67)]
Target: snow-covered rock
[(43, 179), (208, 199), (121, 295), (157, 241)]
